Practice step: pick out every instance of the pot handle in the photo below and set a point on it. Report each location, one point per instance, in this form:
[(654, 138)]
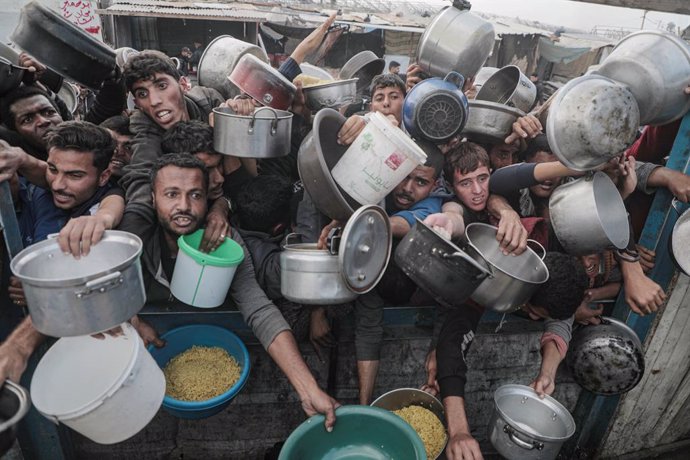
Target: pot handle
[(287, 238), (455, 78), (524, 444), (274, 123), (674, 205), (488, 272), (102, 284), (543, 251)]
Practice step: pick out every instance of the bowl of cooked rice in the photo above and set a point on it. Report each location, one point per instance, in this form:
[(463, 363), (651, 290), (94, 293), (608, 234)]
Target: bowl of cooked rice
[(205, 367), (423, 412)]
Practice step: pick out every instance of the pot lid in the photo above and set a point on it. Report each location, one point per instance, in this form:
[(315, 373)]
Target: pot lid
[(680, 241), (365, 248)]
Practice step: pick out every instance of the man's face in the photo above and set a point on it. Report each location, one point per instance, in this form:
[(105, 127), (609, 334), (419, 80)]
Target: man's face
[(388, 101), (546, 188), (395, 69), (179, 197), (472, 189), (591, 262), (161, 99), (414, 188), (502, 155), (123, 153), (34, 116), (214, 165), (72, 177)]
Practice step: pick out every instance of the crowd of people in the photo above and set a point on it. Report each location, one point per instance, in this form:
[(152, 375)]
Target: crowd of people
[(154, 172)]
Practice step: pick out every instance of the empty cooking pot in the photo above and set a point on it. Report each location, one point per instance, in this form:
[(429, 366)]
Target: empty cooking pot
[(266, 133), (263, 83), (333, 94), (483, 75), (511, 87), (489, 122), (364, 66)]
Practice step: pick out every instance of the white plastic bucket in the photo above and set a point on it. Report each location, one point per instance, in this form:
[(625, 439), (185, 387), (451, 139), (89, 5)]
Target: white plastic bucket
[(377, 161), (202, 279), (106, 389)]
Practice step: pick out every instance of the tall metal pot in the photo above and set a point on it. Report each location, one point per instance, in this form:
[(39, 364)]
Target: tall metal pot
[(71, 297), (264, 134), (511, 87)]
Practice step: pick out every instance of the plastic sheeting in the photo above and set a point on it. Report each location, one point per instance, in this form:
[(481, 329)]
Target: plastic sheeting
[(552, 52)]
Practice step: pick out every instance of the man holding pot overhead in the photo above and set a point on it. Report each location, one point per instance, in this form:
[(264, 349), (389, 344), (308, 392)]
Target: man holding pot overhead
[(179, 184)]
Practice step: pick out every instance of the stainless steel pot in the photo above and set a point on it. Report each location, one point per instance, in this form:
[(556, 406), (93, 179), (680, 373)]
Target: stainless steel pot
[(364, 66), (70, 297), (439, 267), (317, 156), (353, 263), (655, 66), (332, 95), (511, 87), (588, 215), (14, 404), (525, 427), (591, 120), (265, 134), (456, 41), (315, 71), (489, 122), (606, 358), (483, 75), (513, 279), (680, 240), (220, 58), (69, 94)]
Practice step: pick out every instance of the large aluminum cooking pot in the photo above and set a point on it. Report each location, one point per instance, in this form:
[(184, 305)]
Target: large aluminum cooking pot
[(513, 279), (263, 83), (489, 122), (317, 156), (588, 215), (439, 267), (52, 80), (70, 297), (457, 41), (655, 66), (483, 75), (680, 240), (352, 265), (606, 358), (525, 427), (591, 120), (333, 94), (265, 134), (10, 76), (436, 109), (511, 87), (14, 404), (219, 60), (62, 46)]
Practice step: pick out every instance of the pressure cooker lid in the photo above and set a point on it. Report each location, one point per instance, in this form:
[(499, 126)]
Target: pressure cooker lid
[(365, 248)]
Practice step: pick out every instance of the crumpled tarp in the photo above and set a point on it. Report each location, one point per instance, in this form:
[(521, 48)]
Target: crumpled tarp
[(553, 52)]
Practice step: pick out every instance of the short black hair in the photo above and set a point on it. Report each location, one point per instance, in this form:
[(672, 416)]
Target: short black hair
[(393, 64), (434, 157), (192, 136), (119, 124), (23, 92), (180, 160), (565, 289), (146, 64), (83, 136), (539, 144), (387, 80), (264, 202)]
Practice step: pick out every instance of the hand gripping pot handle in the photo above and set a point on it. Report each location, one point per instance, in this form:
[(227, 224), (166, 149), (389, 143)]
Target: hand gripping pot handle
[(488, 272), (455, 78), (524, 444), (274, 123)]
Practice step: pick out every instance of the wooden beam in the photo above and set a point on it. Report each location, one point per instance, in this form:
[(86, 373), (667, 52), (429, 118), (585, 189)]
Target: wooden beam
[(664, 6)]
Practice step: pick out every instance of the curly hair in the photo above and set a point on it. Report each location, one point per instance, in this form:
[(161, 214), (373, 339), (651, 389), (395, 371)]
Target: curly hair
[(83, 136), (465, 158), (183, 160), (192, 136), (264, 202), (18, 94), (387, 80), (146, 64), (565, 289)]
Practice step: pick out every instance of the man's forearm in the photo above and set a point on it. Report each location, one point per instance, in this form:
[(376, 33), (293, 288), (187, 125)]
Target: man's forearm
[(550, 359), (111, 210), (287, 356), (456, 415), (399, 227), (497, 205), (34, 170), (25, 337)]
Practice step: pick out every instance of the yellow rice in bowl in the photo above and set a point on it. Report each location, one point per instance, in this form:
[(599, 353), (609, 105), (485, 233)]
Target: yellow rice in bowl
[(428, 427), (200, 373)]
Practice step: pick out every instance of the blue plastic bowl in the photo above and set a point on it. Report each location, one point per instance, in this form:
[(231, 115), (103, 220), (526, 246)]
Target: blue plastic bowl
[(183, 338), (360, 432)]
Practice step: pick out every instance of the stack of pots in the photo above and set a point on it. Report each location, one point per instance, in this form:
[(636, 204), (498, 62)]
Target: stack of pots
[(91, 385)]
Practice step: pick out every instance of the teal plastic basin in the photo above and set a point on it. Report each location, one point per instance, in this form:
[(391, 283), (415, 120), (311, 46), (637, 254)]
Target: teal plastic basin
[(360, 432)]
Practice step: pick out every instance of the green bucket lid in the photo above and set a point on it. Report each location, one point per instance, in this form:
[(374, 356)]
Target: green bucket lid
[(228, 254)]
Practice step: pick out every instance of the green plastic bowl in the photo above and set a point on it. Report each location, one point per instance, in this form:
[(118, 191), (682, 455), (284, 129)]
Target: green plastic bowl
[(360, 432)]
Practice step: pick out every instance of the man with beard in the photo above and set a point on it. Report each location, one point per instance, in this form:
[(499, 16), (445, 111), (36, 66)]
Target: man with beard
[(179, 184)]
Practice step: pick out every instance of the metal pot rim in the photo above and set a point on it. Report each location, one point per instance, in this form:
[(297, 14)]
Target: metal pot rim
[(676, 41), (330, 84), (24, 404), (227, 112), (675, 250)]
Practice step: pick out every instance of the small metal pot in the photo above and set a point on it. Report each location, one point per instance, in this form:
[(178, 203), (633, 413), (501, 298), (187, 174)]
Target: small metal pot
[(315, 71), (69, 94), (680, 240), (265, 134), (588, 215), (439, 267), (606, 358), (331, 95), (489, 122), (219, 60), (263, 83), (456, 41), (513, 279), (511, 87), (364, 66), (525, 427), (71, 297), (14, 404), (483, 75)]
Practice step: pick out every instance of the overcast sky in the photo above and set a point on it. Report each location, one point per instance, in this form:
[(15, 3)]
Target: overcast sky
[(575, 14)]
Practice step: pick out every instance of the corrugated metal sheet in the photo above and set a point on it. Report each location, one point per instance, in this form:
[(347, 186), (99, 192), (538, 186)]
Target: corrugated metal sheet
[(194, 10)]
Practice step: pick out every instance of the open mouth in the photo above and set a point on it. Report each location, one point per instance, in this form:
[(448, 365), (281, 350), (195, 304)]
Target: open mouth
[(164, 115), (183, 220)]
